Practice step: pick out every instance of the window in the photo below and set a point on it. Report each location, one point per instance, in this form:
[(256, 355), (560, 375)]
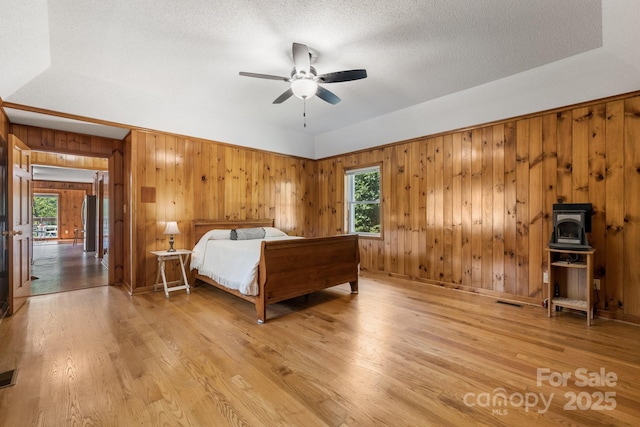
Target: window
[(362, 192), (45, 216)]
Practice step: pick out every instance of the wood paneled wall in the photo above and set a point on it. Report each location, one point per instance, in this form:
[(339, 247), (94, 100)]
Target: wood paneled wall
[(467, 209), (40, 139), (473, 209), (70, 197), (69, 161), (87, 188), (182, 179)]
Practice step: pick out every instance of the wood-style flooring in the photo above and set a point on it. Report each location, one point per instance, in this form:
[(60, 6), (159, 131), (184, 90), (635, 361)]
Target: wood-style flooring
[(397, 354), (60, 266)]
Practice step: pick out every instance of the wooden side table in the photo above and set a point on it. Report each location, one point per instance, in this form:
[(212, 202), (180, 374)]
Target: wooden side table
[(572, 271), (183, 283)]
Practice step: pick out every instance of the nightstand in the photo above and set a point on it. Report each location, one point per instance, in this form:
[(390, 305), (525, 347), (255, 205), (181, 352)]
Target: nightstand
[(183, 283), (572, 272)]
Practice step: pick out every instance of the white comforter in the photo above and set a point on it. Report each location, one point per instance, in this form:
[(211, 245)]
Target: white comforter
[(231, 263)]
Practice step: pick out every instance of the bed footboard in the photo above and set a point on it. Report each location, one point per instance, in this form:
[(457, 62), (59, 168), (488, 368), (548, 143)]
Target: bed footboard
[(290, 268)]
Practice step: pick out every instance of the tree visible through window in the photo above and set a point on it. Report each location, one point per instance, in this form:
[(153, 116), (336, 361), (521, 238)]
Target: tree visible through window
[(363, 200), (45, 215)]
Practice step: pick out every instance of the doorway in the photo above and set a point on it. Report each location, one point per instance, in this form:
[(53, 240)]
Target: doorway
[(62, 258)]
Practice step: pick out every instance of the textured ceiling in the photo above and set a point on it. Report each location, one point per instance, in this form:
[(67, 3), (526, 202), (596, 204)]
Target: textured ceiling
[(173, 66)]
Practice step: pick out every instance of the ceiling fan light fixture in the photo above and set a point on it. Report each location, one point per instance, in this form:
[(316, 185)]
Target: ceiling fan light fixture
[(304, 88)]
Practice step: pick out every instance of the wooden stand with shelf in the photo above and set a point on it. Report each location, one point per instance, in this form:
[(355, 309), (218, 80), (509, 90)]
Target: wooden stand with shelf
[(573, 272)]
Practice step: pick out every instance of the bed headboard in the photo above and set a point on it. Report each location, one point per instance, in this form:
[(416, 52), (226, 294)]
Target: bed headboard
[(201, 226)]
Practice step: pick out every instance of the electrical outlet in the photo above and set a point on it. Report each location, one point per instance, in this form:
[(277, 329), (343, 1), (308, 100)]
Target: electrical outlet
[(545, 277), (596, 284)]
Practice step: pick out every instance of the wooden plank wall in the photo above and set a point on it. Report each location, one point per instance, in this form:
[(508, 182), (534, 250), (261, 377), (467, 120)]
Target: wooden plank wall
[(473, 209), (41, 139), (468, 209), (69, 161), (181, 179), (70, 197)]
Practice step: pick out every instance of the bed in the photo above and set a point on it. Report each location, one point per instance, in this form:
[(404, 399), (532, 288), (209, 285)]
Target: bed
[(289, 267)]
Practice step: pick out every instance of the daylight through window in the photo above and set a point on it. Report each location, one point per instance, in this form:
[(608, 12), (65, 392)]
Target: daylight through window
[(362, 190), (45, 216)]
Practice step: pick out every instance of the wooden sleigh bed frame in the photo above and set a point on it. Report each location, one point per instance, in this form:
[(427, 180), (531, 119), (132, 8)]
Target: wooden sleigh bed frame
[(291, 268)]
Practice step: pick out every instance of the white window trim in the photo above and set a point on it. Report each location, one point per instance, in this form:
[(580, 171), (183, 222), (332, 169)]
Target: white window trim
[(349, 214)]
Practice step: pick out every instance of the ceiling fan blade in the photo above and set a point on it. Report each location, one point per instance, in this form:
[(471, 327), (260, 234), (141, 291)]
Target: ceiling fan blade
[(343, 76), (264, 76), (327, 95), (301, 58), (285, 95)]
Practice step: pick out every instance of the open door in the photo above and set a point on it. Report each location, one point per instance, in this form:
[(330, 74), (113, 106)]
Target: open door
[(19, 228)]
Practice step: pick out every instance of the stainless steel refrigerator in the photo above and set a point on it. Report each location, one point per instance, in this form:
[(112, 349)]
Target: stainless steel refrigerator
[(89, 222)]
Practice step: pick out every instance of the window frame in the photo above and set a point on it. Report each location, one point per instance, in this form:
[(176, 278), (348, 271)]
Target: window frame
[(349, 214), (43, 232)]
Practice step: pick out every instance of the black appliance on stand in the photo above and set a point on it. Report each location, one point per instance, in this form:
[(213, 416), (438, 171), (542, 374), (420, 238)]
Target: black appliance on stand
[(571, 223)]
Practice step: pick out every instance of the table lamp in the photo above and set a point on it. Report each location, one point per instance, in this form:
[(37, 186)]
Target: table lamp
[(171, 229)]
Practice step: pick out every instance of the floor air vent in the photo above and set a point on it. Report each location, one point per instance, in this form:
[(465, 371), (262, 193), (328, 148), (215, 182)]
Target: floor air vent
[(8, 378), (515, 304)]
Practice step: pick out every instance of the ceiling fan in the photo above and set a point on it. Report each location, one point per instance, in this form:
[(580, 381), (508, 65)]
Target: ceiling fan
[(305, 81)]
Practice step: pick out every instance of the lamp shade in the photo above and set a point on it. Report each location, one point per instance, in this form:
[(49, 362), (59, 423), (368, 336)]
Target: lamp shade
[(304, 88), (171, 228)]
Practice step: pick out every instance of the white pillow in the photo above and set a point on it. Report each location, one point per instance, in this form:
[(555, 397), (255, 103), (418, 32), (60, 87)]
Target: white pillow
[(273, 232), (219, 235)]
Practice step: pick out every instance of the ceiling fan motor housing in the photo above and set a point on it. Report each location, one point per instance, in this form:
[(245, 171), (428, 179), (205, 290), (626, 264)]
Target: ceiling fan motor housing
[(312, 74)]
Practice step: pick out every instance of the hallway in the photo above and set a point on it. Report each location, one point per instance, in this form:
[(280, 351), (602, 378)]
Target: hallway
[(62, 266)]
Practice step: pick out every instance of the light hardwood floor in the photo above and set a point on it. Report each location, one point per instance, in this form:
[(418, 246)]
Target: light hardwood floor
[(60, 266), (398, 354)]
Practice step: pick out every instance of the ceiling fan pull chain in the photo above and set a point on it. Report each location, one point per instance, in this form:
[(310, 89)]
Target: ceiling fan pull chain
[(304, 112)]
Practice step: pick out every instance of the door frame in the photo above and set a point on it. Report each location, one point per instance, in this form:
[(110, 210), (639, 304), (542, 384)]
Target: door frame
[(4, 240)]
